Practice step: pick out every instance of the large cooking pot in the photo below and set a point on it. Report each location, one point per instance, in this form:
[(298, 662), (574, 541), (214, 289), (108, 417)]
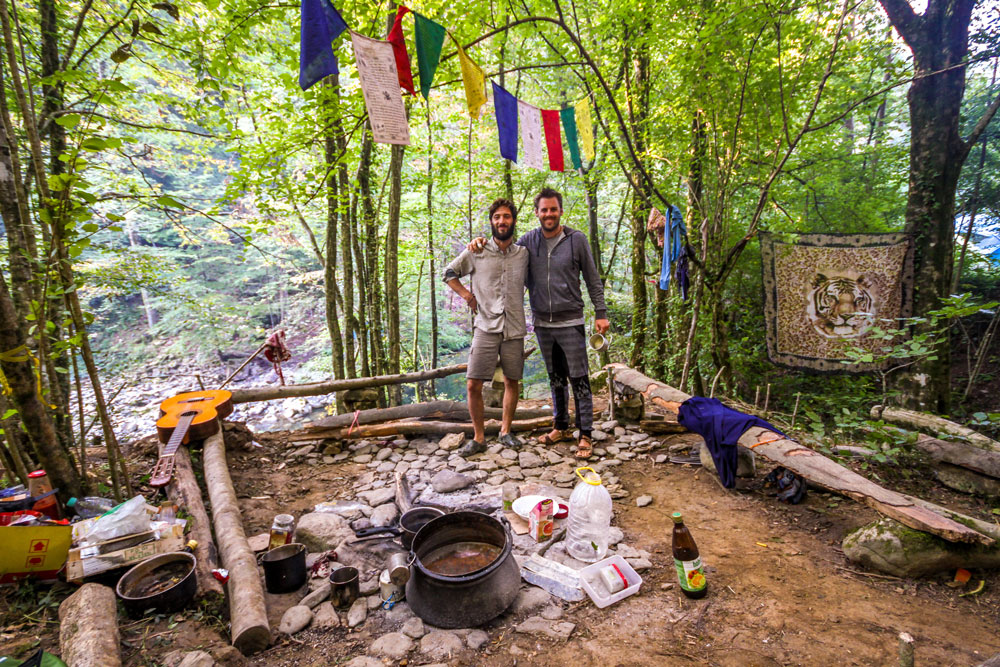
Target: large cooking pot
[(467, 600), (165, 583)]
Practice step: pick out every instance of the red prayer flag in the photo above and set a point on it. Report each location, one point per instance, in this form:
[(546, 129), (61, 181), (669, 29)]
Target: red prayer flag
[(553, 138), (395, 38)]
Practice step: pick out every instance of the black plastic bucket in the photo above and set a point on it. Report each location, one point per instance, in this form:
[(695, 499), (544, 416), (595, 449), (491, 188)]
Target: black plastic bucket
[(285, 568)]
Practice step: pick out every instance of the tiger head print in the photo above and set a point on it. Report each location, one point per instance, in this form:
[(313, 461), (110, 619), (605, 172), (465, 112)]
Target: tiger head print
[(840, 307)]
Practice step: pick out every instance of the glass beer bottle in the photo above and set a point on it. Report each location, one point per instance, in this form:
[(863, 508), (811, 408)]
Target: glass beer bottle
[(687, 561)]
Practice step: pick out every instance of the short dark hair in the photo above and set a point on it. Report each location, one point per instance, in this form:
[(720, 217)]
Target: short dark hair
[(503, 202), (547, 193)]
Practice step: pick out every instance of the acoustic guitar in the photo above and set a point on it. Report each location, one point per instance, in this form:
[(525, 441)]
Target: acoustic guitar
[(193, 414)]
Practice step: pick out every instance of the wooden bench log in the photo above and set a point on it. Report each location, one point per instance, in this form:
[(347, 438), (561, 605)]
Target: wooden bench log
[(324, 388), (183, 490), (429, 410), (411, 428), (88, 628), (249, 628), (817, 468)]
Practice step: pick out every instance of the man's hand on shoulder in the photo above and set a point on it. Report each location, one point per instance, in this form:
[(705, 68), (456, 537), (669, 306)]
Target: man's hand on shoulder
[(476, 245), (602, 326)]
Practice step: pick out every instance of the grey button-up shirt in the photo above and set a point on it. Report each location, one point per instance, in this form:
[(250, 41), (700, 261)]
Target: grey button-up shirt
[(498, 283)]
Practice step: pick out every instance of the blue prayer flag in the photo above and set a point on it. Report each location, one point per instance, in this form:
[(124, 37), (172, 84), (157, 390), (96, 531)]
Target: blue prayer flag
[(321, 24), (505, 105)]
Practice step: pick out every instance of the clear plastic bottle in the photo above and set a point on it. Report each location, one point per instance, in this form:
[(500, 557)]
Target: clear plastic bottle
[(89, 507), (589, 518)]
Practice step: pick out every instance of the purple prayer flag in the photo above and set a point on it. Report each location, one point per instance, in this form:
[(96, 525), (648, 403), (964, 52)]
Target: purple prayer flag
[(505, 105), (321, 24)]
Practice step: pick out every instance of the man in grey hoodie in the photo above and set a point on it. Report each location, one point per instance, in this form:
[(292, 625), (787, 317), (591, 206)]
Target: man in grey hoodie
[(557, 256)]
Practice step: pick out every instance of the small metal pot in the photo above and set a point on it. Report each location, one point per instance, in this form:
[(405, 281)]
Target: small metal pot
[(413, 520), (285, 568), (170, 599)]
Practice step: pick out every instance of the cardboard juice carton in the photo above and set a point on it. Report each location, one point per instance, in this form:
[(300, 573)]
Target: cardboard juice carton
[(540, 522)]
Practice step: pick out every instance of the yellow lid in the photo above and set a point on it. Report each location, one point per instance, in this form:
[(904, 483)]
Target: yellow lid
[(593, 479)]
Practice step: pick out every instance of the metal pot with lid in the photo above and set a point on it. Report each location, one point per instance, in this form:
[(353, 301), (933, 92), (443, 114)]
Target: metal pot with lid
[(463, 573)]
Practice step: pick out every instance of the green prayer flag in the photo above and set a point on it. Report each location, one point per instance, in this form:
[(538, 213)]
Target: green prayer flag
[(568, 116), (430, 39)]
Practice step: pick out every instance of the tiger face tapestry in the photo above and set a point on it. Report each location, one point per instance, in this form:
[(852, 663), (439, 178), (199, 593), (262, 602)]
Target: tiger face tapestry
[(823, 293)]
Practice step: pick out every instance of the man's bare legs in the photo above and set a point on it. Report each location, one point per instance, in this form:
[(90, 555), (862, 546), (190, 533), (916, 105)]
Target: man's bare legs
[(474, 394), (510, 397)]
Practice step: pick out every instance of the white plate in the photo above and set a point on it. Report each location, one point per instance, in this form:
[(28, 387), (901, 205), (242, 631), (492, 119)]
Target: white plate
[(523, 505)]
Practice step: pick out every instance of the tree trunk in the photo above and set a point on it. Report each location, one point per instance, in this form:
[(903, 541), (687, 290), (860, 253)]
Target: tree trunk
[(939, 40), (637, 86), (88, 628), (330, 265), (392, 269), (183, 489), (346, 237), (432, 275)]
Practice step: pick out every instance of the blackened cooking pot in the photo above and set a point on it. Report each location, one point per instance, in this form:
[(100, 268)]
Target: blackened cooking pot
[(467, 600), (165, 583)]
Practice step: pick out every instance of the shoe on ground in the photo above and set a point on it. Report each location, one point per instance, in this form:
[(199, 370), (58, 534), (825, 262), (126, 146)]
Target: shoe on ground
[(510, 441), (471, 448)]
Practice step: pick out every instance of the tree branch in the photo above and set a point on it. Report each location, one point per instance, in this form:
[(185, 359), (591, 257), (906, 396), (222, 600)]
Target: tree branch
[(903, 19), (141, 126), (980, 127)]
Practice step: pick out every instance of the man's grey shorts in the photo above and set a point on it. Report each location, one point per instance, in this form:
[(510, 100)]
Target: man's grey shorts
[(486, 347)]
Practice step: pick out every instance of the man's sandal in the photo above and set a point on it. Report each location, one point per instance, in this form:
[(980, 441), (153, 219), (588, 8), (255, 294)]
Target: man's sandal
[(550, 439), (584, 449)]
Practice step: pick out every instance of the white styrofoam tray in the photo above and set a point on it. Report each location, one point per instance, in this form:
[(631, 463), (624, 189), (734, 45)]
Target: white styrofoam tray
[(598, 592)]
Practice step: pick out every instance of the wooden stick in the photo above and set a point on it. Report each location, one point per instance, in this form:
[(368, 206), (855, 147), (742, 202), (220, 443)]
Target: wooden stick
[(906, 642), (820, 470), (183, 489), (756, 397), (412, 428), (242, 366), (249, 628), (715, 381), (922, 421), (431, 409), (767, 398), (323, 388), (88, 628), (795, 412)]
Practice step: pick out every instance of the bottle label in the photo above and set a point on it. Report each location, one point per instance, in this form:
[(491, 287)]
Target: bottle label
[(690, 574)]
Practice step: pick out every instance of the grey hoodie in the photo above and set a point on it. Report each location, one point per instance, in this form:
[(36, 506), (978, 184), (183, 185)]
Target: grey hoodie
[(554, 281)]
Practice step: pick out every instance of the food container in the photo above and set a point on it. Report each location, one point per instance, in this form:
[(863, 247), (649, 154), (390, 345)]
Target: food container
[(613, 579), (281, 530), (540, 523), (593, 581)]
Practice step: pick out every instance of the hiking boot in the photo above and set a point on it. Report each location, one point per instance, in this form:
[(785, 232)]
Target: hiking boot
[(471, 448), (510, 441)]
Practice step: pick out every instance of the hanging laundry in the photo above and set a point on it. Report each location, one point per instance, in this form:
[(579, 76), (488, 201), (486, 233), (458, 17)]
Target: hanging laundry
[(673, 243), (395, 38), (505, 106), (430, 39), (585, 128), (474, 81), (380, 86), (530, 127), (553, 140), (681, 272), (321, 24), (568, 116)]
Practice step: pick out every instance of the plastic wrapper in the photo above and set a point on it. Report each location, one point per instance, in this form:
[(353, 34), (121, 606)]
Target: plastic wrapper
[(128, 518)]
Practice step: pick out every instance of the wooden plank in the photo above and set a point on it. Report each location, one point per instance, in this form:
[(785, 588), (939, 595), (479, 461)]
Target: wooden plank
[(818, 469)]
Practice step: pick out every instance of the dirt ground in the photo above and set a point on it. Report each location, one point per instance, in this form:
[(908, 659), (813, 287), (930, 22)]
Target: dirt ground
[(780, 590)]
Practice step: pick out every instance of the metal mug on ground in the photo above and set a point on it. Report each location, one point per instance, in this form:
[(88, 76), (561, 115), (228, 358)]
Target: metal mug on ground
[(345, 587), (389, 591), (598, 342)]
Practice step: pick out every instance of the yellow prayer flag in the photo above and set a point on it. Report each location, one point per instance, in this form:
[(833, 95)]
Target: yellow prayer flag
[(474, 80), (584, 128)]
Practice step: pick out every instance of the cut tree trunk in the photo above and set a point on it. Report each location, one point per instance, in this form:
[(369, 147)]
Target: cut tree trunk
[(183, 490), (413, 428), (323, 388), (249, 628), (88, 628), (921, 421), (432, 409), (960, 454), (818, 469)]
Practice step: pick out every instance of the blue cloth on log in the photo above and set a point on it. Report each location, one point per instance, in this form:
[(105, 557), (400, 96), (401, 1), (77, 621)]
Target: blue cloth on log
[(506, 111), (721, 427), (321, 24)]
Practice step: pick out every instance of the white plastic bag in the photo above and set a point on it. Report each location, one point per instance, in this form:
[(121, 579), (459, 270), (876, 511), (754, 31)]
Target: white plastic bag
[(128, 518)]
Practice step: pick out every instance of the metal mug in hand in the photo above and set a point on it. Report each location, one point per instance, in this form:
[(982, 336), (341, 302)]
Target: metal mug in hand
[(345, 587), (598, 342)]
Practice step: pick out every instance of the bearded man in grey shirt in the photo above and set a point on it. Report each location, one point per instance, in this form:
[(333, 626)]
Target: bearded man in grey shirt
[(558, 257), (497, 299)]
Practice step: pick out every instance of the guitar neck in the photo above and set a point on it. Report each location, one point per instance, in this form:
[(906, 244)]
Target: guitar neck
[(177, 437)]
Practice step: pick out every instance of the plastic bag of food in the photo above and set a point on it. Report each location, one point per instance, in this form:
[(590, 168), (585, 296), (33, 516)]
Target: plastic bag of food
[(128, 518)]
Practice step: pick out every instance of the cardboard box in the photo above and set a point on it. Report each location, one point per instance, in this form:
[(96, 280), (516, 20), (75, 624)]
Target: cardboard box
[(32, 551), (540, 521), (122, 551)]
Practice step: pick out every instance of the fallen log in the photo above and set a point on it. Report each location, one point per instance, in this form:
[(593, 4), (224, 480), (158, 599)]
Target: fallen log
[(183, 489), (960, 454), (921, 421), (249, 628), (412, 428), (323, 388), (429, 410), (88, 628), (656, 424), (817, 468)]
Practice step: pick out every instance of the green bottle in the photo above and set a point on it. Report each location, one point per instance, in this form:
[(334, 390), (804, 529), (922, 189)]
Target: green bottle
[(690, 572)]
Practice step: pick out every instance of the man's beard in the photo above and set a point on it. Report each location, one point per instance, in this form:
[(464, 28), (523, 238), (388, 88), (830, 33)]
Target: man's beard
[(502, 237), (550, 222)]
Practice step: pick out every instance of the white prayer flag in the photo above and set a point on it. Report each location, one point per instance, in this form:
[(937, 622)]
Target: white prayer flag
[(529, 121), (380, 85)]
